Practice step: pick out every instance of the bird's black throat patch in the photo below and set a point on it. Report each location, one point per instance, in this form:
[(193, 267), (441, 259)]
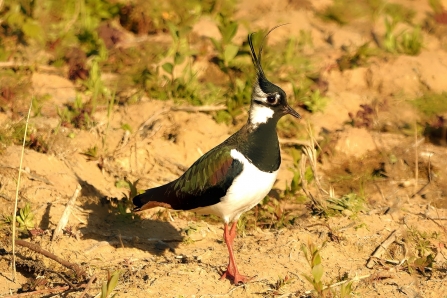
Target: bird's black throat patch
[(262, 147)]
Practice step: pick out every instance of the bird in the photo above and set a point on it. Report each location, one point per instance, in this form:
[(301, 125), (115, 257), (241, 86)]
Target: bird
[(237, 174)]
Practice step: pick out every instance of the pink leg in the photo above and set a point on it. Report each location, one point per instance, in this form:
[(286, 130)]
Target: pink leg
[(232, 272)]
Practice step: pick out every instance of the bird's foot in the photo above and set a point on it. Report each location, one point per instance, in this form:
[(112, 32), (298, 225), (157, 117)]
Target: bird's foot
[(236, 277)]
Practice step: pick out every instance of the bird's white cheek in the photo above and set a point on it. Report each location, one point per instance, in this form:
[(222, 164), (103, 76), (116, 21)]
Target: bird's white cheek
[(260, 114)]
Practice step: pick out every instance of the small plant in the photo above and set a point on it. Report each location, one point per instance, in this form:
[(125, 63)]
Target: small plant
[(399, 13), (96, 89), (37, 104), (278, 286), (13, 133), (358, 58), (226, 48), (431, 104), (109, 286), (125, 205), (25, 218), (411, 42), (315, 102), (312, 255), (364, 116), (77, 114), (424, 259), (351, 202), (91, 153), (126, 127), (346, 290), (296, 182), (405, 42), (19, 18), (338, 13)]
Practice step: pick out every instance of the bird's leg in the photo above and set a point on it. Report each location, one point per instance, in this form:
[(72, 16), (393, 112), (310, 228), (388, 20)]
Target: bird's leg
[(232, 272)]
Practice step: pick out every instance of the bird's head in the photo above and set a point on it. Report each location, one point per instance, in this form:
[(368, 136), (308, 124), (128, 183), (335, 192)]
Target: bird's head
[(268, 101)]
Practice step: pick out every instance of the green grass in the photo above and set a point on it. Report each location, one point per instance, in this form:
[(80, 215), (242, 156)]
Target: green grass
[(409, 42), (431, 104), (12, 133), (81, 37), (368, 9)]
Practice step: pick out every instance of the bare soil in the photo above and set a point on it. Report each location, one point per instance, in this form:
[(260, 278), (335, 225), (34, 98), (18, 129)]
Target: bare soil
[(178, 254)]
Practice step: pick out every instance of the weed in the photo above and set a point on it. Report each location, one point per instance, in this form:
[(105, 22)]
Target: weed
[(358, 58), (424, 259), (352, 202), (37, 143), (77, 114), (286, 64), (405, 42), (399, 13), (313, 258), (96, 89), (296, 182), (14, 91), (325, 202), (338, 13), (436, 6), (278, 287), (13, 134), (37, 104), (371, 9), (25, 218), (364, 117), (19, 18), (310, 93), (411, 42), (312, 255), (126, 127), (91, 153), (431, 104), (125, 205), (109, 286), (346, 290), (316, 102), (226, 48)]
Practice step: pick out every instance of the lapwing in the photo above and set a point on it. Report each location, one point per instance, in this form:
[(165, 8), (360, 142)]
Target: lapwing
[(236, 175)]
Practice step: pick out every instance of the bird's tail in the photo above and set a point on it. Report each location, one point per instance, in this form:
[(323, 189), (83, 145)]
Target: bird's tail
[(154, 197)]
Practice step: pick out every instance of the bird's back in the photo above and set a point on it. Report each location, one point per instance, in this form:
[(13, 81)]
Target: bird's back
[(203, 184)]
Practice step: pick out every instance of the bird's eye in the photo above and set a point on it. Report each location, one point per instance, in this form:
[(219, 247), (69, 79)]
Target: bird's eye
[(272, 99)]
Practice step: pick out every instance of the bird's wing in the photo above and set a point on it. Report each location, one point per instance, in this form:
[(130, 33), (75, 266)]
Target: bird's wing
[(208, 171), (203, 184)]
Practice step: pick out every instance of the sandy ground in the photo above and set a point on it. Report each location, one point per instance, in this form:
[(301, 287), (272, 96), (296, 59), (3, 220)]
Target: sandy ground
[(178, 254)]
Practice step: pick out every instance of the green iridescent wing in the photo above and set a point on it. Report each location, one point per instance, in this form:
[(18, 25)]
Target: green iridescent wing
[(208, 171)]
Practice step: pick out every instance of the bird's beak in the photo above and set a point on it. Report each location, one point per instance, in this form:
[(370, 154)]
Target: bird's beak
[(288, 110)]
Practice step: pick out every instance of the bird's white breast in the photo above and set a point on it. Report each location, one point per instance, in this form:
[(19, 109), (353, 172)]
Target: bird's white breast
[(247, 190)]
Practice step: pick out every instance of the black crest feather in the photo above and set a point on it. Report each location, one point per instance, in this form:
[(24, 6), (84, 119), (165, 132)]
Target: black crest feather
[(257, 58)]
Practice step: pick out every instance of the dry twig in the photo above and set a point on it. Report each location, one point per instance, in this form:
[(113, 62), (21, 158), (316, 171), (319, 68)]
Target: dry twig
[(17, 198), (381, 249), (13, 64), (293, 142), (64, 219), (34, 247), (199, 108), (92, 279), (429, 179), (152, 118), (38, 293)]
